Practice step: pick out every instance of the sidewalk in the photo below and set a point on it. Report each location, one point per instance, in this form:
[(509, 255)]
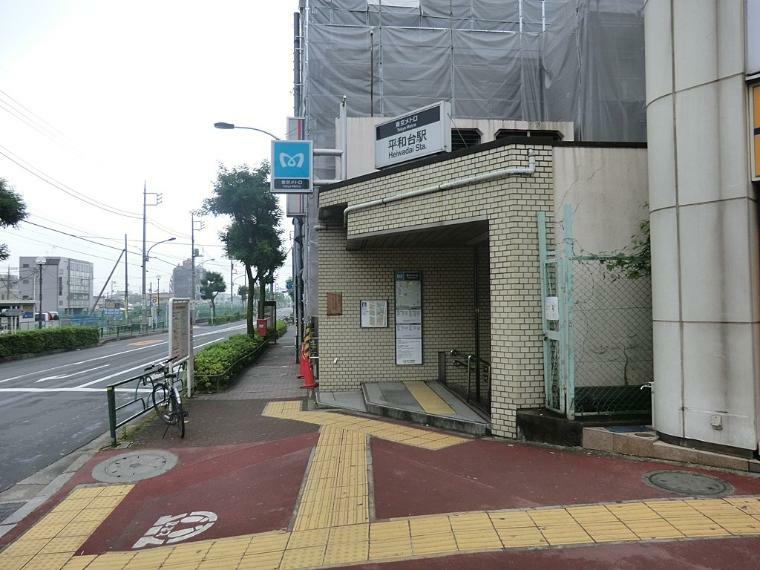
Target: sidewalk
[(259, 482)]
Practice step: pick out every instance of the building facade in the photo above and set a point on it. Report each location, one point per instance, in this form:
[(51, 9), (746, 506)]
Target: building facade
[(66, 283)]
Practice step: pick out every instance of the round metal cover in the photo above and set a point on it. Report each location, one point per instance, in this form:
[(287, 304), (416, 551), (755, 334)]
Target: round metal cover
[(134, 466), (688, 483)]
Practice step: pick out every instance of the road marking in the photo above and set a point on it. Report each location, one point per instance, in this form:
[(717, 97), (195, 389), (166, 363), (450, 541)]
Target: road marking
[(144, 343), (171, 529), (80, 362), (120, 372), (92, 390), (62, 376)]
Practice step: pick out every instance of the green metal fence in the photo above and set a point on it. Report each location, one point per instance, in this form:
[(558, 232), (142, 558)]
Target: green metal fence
[(597, 332)]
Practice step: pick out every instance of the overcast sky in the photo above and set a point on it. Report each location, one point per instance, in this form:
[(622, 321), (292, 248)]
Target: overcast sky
[(103, 95)]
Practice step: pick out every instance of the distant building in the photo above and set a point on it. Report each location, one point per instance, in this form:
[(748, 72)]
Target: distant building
[(66, 283), (8, 287), (182, 279)]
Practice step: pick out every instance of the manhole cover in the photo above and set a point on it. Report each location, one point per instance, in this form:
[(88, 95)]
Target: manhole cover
[(687, 483), (134, 466)]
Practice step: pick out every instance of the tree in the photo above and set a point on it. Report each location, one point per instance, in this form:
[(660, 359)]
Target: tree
[(12, 211), (253, 236), (211, 285), (242, 293)]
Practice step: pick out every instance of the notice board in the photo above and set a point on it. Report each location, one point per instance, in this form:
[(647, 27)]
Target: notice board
[(408, 288)]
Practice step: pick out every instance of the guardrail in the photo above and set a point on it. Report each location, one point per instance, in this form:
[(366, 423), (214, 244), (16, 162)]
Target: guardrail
[(145, 402)]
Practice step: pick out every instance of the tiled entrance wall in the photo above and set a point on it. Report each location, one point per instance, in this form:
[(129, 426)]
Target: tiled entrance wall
[(368, 355), (510, 205)]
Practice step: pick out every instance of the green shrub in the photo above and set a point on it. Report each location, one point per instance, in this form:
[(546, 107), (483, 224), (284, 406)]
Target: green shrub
[(218, 363), (229, 318), (43, 340), (282, 328)]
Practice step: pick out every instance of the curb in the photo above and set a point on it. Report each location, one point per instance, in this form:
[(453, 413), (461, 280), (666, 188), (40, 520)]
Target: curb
[(65, 468)]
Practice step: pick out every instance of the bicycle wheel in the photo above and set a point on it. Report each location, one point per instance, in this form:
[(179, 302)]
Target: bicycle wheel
[(178, 416), (162, 402)]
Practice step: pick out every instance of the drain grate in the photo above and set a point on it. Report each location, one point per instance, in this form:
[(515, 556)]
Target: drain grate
[(688, 483), (134, 466)]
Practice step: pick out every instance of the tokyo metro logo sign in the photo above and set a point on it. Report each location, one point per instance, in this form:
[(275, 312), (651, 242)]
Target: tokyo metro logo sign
[(292, 167)]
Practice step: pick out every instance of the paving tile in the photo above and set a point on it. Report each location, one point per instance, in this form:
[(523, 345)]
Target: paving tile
[(511, 519), (63, 544), (268, 542), (111, 561), (520, 537), (25, 546), (346, 552), (609, 532), (48, 562), (78, 562), (220, 563), (308, 538), (392, 530), (262, 561), (429, 525), (227, 548), (477, 540), (434, 543), (390, 548), (13, 562), (303, 557)]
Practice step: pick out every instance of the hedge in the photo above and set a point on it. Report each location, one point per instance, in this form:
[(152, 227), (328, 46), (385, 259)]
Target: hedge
[(218, 363), (282, 328), (47, 339), (229, 318)]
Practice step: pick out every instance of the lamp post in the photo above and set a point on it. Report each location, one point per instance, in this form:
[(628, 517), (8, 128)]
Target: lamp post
[(228, 126), (40, 262), (146, 258)]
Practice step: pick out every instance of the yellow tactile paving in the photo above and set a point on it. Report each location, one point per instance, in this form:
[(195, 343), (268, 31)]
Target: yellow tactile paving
[(291, 410), (428, 400)]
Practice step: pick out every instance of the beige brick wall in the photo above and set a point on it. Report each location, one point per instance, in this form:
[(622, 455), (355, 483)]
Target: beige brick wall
[(510, 205)]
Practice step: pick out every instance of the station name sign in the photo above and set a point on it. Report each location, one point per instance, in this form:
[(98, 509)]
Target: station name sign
[(413, 135)]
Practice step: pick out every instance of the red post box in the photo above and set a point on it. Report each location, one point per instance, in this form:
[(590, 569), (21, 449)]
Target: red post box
[(261, 327)]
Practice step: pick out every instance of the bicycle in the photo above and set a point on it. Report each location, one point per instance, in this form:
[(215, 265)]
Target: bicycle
[(165, 395)]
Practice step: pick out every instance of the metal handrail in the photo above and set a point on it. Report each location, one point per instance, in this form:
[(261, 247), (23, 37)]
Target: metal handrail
[(143, 378)]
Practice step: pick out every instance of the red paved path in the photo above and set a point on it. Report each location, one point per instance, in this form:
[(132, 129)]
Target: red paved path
[(496, 475)]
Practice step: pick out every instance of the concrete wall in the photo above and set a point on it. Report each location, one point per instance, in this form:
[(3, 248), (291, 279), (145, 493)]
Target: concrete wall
[(510, 205), (706, 291), (361, 136), (608, 190)]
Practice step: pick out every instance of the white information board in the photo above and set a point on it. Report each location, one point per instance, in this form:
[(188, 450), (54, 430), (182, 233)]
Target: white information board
[(408, 287), (374, 314), (179, 328)]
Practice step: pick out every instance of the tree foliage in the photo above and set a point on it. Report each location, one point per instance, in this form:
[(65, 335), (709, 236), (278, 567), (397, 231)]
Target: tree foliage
[(212, 284), (253, 235), (12, 211), (634, 260)]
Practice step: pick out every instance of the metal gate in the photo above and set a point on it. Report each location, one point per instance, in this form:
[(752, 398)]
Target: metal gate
[(556, 303), (597, 328)]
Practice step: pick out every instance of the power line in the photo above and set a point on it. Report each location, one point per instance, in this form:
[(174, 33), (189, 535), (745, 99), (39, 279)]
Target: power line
[(34, 116), (68, 248), (63, 187)]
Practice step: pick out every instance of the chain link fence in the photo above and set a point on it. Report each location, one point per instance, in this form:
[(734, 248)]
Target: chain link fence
[(611, 332)]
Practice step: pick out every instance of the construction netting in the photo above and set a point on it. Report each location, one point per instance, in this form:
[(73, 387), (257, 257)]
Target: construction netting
[(554, 60)]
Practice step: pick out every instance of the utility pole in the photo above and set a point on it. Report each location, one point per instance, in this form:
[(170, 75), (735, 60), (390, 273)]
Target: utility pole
[(144, 264), (232, 298), (158, 299), (126, 282), (144, 251)]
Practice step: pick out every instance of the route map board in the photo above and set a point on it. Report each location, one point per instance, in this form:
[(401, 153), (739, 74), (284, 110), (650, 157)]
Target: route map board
[(408, 286), (179, 328)]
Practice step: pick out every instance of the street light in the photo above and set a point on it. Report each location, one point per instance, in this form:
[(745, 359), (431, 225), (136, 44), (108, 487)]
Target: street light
[(40, 261), (227, 126), (146, 258)]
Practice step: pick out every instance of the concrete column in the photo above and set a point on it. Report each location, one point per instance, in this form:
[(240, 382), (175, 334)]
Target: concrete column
[(703, 223)]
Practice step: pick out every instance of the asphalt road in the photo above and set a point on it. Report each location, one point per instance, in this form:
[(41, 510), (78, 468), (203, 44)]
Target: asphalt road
[(52, 405)]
